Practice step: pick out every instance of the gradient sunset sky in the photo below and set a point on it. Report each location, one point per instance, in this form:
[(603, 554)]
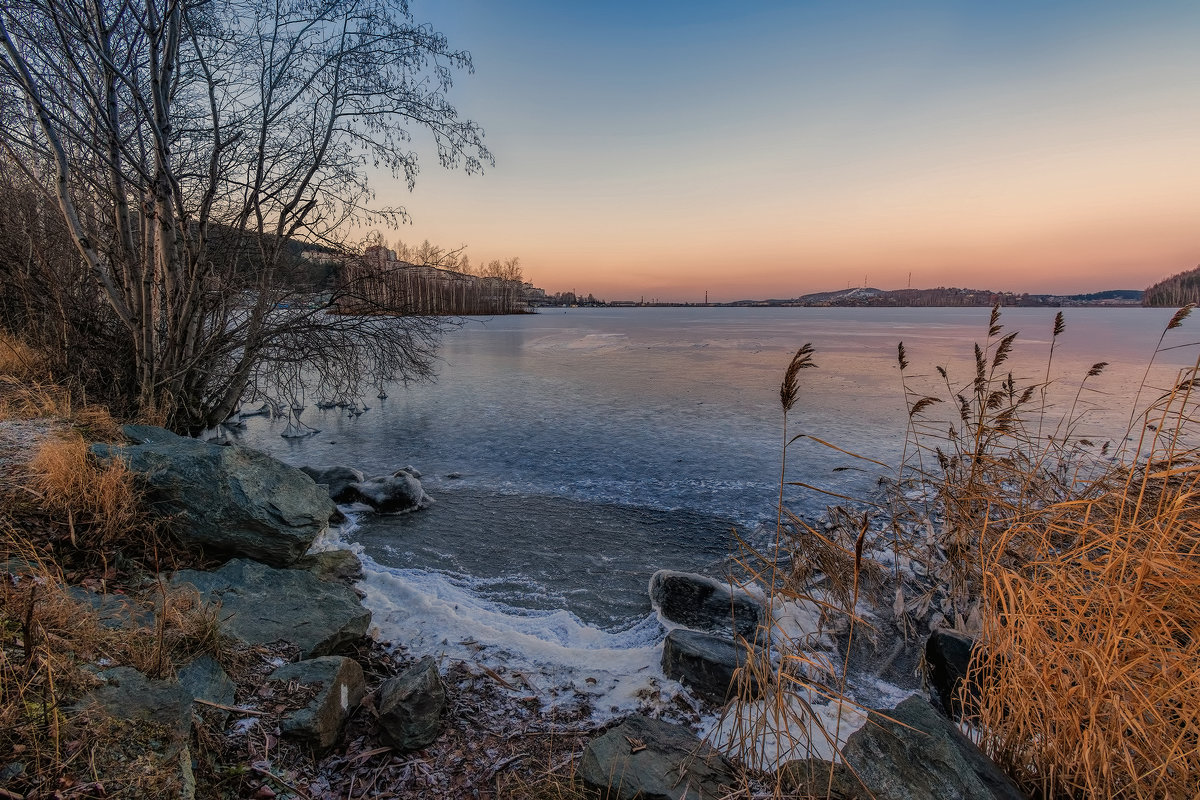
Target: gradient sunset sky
[(771, 149)]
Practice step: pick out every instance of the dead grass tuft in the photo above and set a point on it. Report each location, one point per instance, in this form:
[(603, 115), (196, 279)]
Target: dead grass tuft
[(22, 362), (101, 504), (51, 638)]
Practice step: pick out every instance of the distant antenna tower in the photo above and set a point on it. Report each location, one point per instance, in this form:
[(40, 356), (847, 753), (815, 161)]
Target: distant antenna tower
[(910, 280)]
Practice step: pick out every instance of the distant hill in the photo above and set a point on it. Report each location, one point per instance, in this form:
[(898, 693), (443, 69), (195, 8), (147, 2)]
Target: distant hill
[(1131, 295), (1177, 290), (944, 296)]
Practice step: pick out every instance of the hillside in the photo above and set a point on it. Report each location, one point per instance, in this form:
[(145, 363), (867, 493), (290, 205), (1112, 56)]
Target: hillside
[(1177, 290)]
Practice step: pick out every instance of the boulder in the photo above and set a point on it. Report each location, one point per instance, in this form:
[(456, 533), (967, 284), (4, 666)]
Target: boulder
[(130, 695), (162, 756), (947, 657), (332, 565), (705, 604), (410, 707), (229, 500), (705, 664), (810, 777), (647, 759), (392, 494), (914, 753), (337, 480), (341, 687), (409, 470), (204, 679), (261, 604)]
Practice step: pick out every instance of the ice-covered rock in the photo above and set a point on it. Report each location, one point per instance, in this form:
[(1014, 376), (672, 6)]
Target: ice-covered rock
[(339, 481), (391, 494), (705, 604)]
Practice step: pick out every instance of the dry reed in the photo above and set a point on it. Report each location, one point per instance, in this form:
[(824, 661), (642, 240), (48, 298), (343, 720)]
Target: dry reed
[(1076, 564)]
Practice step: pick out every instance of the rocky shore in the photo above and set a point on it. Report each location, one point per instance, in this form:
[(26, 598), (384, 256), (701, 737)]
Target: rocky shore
[(305, 703)]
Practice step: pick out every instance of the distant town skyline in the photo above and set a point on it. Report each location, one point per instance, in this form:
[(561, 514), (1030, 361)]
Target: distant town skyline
[(780, 148)]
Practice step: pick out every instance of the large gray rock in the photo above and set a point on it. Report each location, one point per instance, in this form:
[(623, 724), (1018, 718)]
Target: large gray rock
[(811, 777), (651, 760), (261, 604), (914, 753), (128, 694), (705, 664), (705, 604), (339, 480), (113, 611), (204, 679), (341, 689), (393, 493), (229, 500), (410, 707)]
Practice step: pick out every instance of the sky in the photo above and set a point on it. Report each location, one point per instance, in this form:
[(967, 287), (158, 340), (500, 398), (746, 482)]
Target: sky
[(665, 149)]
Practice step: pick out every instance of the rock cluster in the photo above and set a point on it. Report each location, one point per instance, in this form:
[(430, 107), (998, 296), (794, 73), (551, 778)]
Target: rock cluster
[(715, 623), (263, 516)]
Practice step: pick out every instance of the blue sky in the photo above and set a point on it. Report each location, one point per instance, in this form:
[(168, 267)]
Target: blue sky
[(772, 149)]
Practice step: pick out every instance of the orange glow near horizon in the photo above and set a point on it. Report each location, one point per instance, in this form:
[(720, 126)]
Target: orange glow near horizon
[(1051, 152)]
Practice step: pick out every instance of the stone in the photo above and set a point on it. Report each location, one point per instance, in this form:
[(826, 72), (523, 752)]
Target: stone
[(648, 759), (705, 664), (229, 500), (705, 604), (810, 777), (914, 753), (133, 699), (338, 481), (341, 689), (261, 604), (947, 656), (410, 470), (204, 679), (393, 494), (113, 611), (332, 565), (410, 707), (128, 694)]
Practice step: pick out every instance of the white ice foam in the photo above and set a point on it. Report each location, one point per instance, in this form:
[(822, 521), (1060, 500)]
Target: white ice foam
[(564, 659)]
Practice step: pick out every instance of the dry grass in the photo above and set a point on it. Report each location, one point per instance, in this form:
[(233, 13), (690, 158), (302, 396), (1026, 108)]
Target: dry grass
[(48, 640), (100, 504), (21, 361), (1076, 564), (1092, 680)]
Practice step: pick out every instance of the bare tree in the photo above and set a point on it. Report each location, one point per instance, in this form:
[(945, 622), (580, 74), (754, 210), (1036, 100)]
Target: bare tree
[(191, 147)]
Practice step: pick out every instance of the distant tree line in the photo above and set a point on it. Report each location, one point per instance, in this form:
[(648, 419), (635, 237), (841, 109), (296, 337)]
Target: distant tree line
[(427, 280), (1177, 290)]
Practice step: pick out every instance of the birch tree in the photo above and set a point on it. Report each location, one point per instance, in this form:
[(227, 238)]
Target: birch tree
[(189, 147)]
